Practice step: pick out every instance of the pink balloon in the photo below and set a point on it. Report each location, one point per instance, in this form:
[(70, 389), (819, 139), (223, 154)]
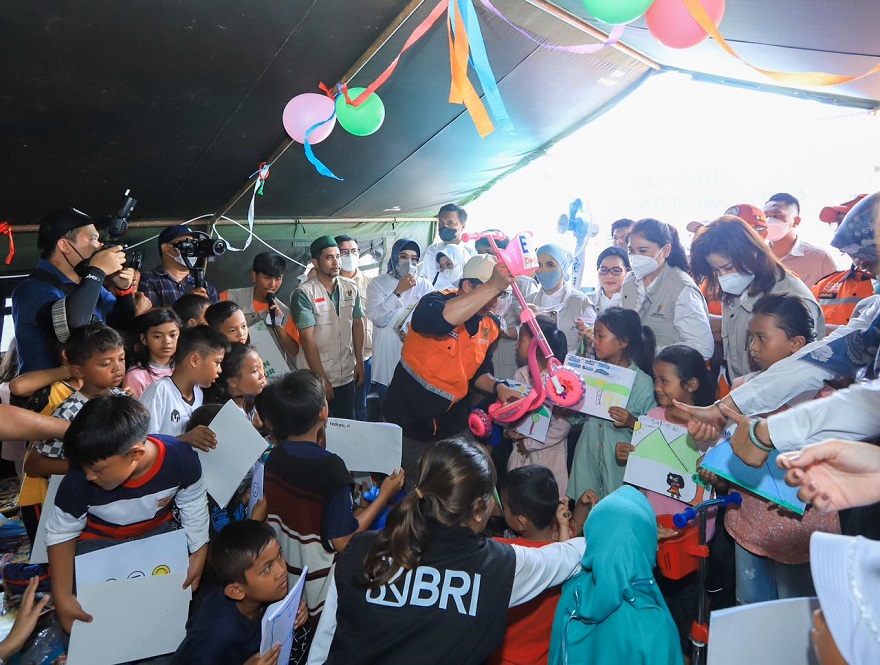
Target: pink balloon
[(306, 110), (673, 26)]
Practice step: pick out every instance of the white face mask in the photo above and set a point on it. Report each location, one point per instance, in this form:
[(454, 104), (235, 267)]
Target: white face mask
[(452, 275), (735, 283), (348, 263), (776, 229), (177, 256), (642, 266)]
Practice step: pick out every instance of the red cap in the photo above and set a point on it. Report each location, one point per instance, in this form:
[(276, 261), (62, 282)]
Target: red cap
[(751, 215), (831, 214)]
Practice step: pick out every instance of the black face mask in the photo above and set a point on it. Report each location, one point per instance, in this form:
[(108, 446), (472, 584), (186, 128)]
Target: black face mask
[(447, 234), (82, 268)]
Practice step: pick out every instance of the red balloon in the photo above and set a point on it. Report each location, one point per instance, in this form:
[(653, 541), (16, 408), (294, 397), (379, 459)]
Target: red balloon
[(673, 26)]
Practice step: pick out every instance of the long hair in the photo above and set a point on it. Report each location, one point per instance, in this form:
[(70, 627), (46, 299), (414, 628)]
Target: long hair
[(143, 323), (689, 364), (662, 234), (455, 478), (625, 325), (732, 238), (230, 368), (792, 315)]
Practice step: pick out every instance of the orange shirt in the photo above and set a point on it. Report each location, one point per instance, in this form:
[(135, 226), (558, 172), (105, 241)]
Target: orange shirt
[(289, 324)]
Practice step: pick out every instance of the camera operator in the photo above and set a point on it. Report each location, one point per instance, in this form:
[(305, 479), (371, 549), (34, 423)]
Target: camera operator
[(167, 282), (66, 290)]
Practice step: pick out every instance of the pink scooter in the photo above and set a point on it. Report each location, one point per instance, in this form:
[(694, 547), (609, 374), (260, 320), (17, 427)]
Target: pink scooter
[(564, 386)]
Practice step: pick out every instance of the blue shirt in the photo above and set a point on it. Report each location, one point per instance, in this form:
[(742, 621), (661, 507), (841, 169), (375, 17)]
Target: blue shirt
[(35, 341), (218, 634)]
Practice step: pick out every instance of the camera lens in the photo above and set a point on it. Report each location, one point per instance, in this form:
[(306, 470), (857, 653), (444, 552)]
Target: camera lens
[(219, 247)]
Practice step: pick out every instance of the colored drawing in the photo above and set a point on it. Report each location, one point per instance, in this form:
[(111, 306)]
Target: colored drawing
[(536, 424), (606, 385), (161, 569), (664, 461)]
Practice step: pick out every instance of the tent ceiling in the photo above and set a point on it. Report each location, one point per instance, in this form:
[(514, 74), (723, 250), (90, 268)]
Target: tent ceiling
[(182, 100)]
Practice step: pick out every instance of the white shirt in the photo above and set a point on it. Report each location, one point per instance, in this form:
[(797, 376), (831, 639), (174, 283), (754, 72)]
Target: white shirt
[(690, 319), (169, 412)]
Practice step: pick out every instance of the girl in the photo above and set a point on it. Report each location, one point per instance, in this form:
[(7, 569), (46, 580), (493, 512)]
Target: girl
[(739, 269), (603, 446), (661, 290), (612, 267), (241, 380), (773, 545), (227, 317), (158, 331), (434, 541), (552, 452), (450, 266)]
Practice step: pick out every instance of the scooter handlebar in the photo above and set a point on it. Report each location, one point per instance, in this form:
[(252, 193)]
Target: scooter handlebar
[(681, 519), (495, 235)]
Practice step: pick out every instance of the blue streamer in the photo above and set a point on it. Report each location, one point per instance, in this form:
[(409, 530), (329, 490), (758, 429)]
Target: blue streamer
[(310, 154), (480, 62)]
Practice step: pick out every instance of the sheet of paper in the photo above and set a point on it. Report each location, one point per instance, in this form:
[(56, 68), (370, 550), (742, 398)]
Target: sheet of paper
[(278, 620), (165, 554), (766, 481), (274, 362), (256, 487), (536, 424), (38, 549), (239, 445), (365, 446), (664, 461), (606, 385), (132, 619), (764, 633)]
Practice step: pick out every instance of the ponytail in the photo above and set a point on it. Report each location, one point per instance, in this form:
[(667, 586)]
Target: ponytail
[(641, 343), (663, 234)]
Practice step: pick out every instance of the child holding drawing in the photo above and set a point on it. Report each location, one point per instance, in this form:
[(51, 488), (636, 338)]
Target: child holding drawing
[(603, 446), (551, 451)]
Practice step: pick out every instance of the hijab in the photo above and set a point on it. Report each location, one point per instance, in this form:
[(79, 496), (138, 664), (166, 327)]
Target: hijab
[(399, 245)]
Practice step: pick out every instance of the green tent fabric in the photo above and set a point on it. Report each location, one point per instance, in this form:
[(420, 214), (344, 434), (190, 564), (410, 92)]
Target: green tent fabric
[(612, 611)]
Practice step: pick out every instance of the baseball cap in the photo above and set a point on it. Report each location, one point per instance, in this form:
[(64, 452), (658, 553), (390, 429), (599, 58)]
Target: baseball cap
[(479, 267), (693, 227), (846, 574), (831, 214), (59, 223), (320, 244), (172, 233), (751, 215)]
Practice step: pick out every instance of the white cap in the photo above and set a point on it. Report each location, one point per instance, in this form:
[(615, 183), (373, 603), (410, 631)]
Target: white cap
[(479, 267)]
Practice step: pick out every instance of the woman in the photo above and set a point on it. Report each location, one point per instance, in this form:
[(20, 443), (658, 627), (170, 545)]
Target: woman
[(450, 266), (390, 300), (661, 290), (740, 269), (430, 587), (612, 267), (557, 297)]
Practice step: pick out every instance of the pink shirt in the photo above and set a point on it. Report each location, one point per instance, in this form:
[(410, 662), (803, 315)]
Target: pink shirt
[(138, 378)]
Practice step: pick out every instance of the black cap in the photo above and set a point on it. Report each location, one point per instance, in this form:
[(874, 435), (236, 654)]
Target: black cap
[(59, 223), (172, 233)]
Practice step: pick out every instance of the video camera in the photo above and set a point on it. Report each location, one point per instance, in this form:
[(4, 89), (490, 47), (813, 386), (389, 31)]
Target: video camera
[(117, 226), (201, 246)]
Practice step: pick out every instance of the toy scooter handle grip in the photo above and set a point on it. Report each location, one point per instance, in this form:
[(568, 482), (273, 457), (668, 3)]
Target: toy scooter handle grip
[(495, 235), (681, 519)]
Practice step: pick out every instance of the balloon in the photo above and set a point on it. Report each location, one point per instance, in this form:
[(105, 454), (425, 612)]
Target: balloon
[(360, 120), (617, 11), (306, 110), (673, 26)]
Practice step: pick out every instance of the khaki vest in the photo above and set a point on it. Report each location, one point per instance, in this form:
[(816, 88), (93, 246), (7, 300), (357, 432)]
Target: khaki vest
[(363, 282), (244, 298), (332, 331), (658, 308)]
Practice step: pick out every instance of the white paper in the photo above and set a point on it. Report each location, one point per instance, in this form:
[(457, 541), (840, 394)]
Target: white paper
[(165, 554), (239, 445), (606, 385), (365, 446), (274, 362), (279, 618), (132, 619), (256, 487), (763, 633), (536, 425), (39, 553)]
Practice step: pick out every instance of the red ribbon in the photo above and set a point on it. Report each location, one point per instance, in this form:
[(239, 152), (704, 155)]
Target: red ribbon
[(6, 229)]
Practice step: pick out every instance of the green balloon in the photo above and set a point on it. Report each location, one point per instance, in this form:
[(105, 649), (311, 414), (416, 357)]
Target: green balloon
[(615, 12), (360, 120)]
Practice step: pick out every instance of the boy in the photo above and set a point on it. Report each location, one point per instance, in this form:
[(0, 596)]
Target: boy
[(172, 399), (227, 317), (121, 486), (225, 630), (308, 490), (191, 309)]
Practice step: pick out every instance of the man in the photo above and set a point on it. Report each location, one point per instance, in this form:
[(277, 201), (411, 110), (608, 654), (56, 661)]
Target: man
[(841, 291), (349, 258), (448, 349), (66, 290), (451, 221), (267, 275), (327, 310), (167, 282), (619, 232), (803, 259)]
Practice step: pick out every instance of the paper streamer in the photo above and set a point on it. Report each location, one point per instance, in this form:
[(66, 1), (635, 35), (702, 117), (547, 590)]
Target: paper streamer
[(6, 230), (461, 89), (310, 154), (804, 79)]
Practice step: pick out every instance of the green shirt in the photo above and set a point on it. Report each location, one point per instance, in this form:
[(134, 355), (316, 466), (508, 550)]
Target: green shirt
[(304, 315)]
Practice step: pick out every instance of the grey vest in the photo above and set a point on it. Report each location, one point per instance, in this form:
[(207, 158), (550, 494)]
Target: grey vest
[(244, 298)]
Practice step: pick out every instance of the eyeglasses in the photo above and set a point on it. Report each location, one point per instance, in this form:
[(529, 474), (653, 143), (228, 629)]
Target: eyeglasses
[(617, 272), (352, 252)]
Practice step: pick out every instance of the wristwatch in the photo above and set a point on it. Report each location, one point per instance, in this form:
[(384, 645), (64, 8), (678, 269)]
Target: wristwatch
[(496, 384)]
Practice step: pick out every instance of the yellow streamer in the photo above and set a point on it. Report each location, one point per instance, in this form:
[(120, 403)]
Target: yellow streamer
[(462, 90)]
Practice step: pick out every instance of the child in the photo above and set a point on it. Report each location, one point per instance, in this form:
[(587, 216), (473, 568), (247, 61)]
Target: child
[(172, 400), (121, 485), (226, 317), (190, 309), (530, 500), (158, 331), (603, 446), (225, 630), (553, 452), (241, 380), (308, 490), (773, 545), (612, 611)]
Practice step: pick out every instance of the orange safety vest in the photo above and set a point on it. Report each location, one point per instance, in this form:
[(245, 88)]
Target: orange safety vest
[(446, 364), (839, 293)]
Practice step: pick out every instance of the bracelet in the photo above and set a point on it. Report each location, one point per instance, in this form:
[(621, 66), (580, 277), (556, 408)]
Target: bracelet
[(496, 384), (717, 405), (125, 292), (754, 437)]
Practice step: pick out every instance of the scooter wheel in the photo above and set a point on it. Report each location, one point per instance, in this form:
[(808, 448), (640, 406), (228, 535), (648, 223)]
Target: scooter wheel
[(573, 388), (480, 423)]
